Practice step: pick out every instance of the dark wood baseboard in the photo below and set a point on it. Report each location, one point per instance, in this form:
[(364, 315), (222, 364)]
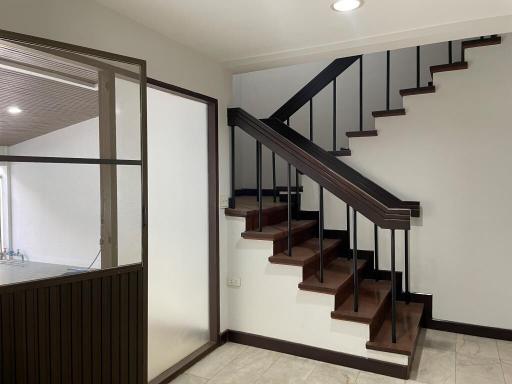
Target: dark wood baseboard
[(319, 354), (455, 327), (471, 329)]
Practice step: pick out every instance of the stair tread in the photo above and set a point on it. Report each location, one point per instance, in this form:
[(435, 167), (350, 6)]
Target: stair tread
[(407, 330), (304, 252), (481, 42), (341, 152), (336, 274), (278, 231), (417, 91), (372, 295), (448, 67), (369, 133), (389, 112), (247, 205)]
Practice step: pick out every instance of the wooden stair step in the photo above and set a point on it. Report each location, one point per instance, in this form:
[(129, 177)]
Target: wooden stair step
[(305, 252), (279, 231), (337, 274), (247, 205), (407, 330), (448, 67), (284, 189), (361, 133), (389, 112), (493, 40), (417, 91), (341, 152), (373, 295)]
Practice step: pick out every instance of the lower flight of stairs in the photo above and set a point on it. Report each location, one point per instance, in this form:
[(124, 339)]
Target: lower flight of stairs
[(374, 296)]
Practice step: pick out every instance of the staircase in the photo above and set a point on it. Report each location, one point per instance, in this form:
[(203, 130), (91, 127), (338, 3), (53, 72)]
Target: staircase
[(362, 292)]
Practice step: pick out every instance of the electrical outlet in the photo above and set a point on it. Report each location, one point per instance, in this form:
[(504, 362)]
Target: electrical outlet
[(234, 282), (223, 201)]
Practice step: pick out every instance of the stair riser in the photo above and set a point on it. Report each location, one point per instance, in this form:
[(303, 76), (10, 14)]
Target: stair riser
[(379, 317), (311, 267), (269, 217), (344, 292), (298, 237)]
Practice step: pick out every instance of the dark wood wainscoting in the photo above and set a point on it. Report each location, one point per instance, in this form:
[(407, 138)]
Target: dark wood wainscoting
[(79, 329)]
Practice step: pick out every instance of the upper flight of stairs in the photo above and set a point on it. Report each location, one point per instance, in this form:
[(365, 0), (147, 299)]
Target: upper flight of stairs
[(494, 40), (374, 296)]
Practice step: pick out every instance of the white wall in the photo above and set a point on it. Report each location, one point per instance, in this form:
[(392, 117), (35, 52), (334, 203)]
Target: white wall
[(261, 93), (84, 22), (450, 152)]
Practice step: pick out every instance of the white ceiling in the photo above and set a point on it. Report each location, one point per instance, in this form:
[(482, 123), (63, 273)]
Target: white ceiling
[(255, 34)]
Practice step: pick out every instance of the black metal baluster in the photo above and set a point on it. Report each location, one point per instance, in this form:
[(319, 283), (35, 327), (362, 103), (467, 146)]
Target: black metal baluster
[(388, 75), (376, 261), (418, 64), (334, 115), (231, 202), (257, 172), (260, 195), (321, 233), (297, 190), (354, 262), (348, 229), (311, 119), (274, 190), (361, 93), (450, 52), (393, 288), (289, 210), (406, 256)]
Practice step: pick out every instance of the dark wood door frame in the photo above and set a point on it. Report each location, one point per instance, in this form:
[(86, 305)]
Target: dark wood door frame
[(213, 219)]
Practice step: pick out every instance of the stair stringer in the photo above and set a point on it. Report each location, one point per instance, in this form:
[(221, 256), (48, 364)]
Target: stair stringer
[(269, 303)]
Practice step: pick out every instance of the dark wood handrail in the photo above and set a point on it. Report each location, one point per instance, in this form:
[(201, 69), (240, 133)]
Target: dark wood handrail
[(331, 72), (372, 201)]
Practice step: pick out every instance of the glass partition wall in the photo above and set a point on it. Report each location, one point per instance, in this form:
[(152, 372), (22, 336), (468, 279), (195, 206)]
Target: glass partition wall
[(72, 147)]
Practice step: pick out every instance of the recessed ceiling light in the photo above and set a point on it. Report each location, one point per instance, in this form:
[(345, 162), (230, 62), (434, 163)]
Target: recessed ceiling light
[(14, 110), (346, 5)]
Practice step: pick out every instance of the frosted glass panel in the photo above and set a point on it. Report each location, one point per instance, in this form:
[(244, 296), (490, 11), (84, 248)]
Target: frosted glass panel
[(178, 229)]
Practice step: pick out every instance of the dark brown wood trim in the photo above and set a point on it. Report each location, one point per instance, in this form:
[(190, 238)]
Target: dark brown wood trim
[(67, 160), (319, 354), (361, 133), (471, 329), (388, 113), (184, 364), (183, 92), (52, 44)]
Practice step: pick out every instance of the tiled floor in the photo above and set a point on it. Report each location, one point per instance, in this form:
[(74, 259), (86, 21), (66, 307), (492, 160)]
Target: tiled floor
[(441, 358)]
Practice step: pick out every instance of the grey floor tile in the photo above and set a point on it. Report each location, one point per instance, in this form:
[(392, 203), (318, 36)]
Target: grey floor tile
[(332, 374), (288, 369), (473, 350), (371, 378), (215, 361), (247, 367), (507, 372), (505, 350), (189, 379), (434, 366), (480, 374)]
